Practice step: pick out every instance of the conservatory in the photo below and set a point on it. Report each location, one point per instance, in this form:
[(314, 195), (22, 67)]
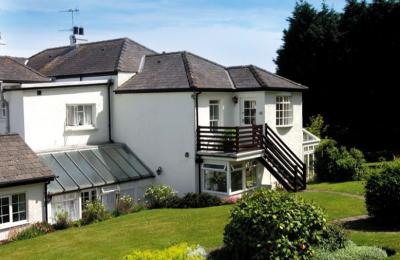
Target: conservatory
[(102, 173), (230, 177)]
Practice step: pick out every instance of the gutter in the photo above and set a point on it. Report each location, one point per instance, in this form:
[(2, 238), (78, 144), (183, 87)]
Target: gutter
[(109, 85)]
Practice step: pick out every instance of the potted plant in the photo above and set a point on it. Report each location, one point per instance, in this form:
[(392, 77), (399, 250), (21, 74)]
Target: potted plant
[(229, 140)]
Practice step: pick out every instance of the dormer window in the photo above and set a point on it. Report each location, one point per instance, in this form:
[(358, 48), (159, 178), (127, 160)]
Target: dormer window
[(284, 111), (80, 115)]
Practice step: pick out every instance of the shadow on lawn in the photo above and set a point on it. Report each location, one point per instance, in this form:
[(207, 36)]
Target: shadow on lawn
[(370, 225)]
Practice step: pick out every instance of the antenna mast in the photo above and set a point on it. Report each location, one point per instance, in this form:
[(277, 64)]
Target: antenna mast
[(74, 29)]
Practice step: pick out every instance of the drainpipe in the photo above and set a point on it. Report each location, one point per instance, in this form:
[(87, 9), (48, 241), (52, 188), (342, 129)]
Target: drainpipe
[(3, 101), (45, 202), (198, 160), (110, 83)]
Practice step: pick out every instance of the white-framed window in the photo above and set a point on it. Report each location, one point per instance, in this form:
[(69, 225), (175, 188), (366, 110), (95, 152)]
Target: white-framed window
[(214, 113), (249, 112), (3, 110), (239, 177), (215, 177), (80, 115), (12, 208), (284, 111), (309, 159), (88, 196)]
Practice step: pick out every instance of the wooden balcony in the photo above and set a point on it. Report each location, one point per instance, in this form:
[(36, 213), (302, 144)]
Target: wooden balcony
[(226, 139)]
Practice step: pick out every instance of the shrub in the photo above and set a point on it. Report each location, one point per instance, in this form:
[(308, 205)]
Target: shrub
[(382, 194), (351, 252), (194, 200), (94, 212), (333, 238), (181, 251), (334, 163), (269, 224), (317, 126), (160, 196), (62, 221), (125, 205), (32, 231)]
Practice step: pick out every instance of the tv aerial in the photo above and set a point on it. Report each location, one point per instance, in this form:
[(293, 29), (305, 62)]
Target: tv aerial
[(76, 30)]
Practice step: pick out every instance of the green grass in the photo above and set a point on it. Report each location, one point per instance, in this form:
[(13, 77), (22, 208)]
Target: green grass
[(114, 238), (352, 187), (336, 206), (151, 229), (381, 239)]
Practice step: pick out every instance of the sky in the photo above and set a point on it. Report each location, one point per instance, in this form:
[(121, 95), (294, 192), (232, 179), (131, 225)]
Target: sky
[(230, 32)]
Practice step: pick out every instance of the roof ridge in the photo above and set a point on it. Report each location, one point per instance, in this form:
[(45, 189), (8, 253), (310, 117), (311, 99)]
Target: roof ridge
[(257, 76), (141, 45), (118, 62), (28, 68), (72, 47), (124, 49), (210, 61), (276, 75), (188, 70)]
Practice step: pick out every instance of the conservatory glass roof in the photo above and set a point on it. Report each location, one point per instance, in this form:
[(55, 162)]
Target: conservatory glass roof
[(92, 167)]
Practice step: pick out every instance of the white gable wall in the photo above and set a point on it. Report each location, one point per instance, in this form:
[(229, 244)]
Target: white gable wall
[(159, 129)]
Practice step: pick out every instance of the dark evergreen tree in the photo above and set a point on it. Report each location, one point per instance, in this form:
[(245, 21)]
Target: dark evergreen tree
[(349, 61)]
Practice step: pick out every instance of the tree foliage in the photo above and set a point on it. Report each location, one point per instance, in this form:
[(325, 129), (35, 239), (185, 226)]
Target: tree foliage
[(348, 60)]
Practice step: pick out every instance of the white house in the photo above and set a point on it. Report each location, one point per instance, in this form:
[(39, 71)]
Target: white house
[(114, 117)]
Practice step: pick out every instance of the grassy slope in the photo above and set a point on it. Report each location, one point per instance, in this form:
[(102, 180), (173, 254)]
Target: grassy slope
[(352, 187), (336, 206), (117, 237)]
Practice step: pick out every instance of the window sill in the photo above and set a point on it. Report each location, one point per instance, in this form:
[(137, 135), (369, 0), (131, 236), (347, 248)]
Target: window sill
[(80, 128), (284, 126), (13, 224)]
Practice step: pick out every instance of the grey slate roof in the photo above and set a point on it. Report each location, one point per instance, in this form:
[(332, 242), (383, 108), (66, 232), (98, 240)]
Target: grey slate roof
[(93, 167), (12, 70), (100, 57), (19, 164), (184, 71)]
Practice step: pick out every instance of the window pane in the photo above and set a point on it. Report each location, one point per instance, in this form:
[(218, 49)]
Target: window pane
[(215, 181), (251, 177), (236, 181), (70, 116), (88, 115)]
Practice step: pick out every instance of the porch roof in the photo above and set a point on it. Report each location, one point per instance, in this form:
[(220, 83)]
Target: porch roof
[(95, 166)]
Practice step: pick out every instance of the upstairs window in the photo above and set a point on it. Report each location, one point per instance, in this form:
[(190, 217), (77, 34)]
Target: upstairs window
[(80, 115), (249, 112), (214, 113), (284, 111)]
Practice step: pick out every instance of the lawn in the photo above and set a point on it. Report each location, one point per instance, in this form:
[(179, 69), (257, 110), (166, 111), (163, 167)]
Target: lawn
[(114, 238), (352, 187), (336, 206)]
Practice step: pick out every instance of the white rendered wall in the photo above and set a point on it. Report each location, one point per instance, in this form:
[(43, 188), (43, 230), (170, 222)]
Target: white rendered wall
[(45, 117), (293, 135), (231, 115), (35, 204), (159, 129)]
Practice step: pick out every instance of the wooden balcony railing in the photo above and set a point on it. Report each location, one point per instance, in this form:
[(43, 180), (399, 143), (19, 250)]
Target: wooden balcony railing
[(229, 139)]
